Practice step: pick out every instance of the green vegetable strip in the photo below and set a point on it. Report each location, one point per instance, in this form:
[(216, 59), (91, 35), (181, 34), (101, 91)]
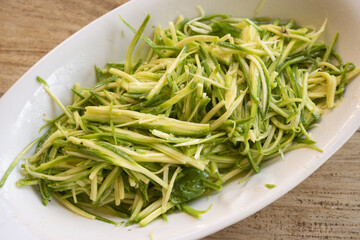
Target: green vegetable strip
[(55, 99), (15, 162), (147, 40), (177, 155), (330, 48), (73, 208), (215, 97), (149, 121), (155, 214), (128, 60)]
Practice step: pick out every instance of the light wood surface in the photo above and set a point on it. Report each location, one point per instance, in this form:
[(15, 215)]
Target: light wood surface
[(325, 206)]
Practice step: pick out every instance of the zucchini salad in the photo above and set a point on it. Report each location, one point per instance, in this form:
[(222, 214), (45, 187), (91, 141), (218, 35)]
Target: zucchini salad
[(211, 100)]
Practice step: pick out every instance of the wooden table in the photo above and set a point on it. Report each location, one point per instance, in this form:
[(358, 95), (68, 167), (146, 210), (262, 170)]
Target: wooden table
[(325, 206)]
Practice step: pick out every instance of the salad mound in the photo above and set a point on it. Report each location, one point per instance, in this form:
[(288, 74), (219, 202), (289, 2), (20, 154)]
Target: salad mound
[(213, 98)]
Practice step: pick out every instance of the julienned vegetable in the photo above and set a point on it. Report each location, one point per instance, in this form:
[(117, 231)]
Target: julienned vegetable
[(213, 99)]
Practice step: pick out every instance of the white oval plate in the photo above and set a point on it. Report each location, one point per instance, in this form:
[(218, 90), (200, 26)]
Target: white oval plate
[(22, 108)]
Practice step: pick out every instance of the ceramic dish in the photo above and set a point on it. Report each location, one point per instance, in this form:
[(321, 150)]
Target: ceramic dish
[(21, 211)]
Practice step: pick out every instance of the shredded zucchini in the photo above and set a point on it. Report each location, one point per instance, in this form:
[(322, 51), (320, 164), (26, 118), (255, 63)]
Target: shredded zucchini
[(215, 98)]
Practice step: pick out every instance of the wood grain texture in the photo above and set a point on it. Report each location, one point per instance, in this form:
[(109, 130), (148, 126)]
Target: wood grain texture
[(325, 206)]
